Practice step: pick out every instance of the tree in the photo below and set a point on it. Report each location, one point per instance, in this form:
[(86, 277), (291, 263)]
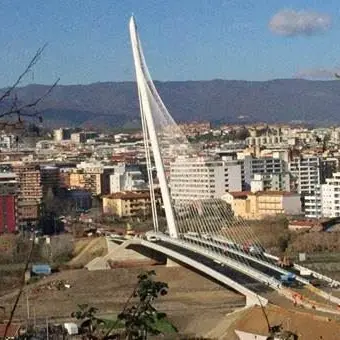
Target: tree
[(242, 134), (138, 319), (14, 113), (90, 327), (142, 319)]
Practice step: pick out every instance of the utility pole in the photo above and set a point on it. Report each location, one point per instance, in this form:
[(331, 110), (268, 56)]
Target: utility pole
[(27, 307), (47, 332), (34, 318)]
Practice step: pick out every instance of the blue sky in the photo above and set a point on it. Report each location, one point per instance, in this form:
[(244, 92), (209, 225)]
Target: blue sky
[(182, 39)]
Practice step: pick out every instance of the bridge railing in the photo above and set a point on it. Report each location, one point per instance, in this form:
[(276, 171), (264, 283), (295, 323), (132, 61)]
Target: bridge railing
[(253, 258), (252, 298), (251, 272)]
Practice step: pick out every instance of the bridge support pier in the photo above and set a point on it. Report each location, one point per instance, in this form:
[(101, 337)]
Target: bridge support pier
[(253, 300)]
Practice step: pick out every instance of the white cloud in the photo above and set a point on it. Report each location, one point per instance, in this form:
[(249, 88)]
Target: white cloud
[(317, 73), (288, 22)]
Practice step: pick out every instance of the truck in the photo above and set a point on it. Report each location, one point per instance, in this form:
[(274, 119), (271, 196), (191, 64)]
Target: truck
[(41, 269), (288, 279)]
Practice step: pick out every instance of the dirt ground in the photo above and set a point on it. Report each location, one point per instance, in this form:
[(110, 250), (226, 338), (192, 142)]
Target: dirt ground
[(191, 298), (305, 325), (87, 249)]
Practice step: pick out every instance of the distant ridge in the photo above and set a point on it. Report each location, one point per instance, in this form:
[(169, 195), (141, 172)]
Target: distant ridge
[(115, 104)]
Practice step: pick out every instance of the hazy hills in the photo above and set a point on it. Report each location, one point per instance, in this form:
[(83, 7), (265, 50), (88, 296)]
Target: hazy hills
[(116, 104)]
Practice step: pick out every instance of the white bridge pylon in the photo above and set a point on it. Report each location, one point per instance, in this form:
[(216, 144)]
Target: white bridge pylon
[(201, 226), (148, 98)]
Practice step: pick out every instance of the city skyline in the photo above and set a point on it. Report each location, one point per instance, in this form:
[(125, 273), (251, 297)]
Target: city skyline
[(192, 40)]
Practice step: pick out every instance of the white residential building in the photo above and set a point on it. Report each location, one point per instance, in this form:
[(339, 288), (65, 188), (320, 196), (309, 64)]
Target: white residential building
[(203, 177), (270, 181), (306, 170), (265, 166), (264, 140), (313, 205), (335, 136), (127, 181), (7, 141), (326, 200)]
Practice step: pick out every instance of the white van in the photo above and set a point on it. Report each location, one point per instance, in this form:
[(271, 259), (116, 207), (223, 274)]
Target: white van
[(151, 238)]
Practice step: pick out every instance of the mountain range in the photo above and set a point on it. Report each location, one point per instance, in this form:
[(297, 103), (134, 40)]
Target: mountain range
[(115, 104)]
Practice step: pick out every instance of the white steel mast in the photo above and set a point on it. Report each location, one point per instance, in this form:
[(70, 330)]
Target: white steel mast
[(144, 92)]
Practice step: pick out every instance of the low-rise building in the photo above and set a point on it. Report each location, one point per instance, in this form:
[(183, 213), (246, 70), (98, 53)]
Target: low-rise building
[(249, 205), (301, 225), (128, 204), (28, 212)]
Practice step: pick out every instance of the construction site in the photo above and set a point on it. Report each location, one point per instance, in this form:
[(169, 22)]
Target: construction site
[(102, 273)]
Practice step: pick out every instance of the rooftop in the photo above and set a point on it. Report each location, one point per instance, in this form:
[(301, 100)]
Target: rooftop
[(128, 195), (245, 194)]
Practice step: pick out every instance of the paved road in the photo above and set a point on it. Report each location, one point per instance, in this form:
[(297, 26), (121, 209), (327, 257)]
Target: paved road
[(241, 278), (252, 263)]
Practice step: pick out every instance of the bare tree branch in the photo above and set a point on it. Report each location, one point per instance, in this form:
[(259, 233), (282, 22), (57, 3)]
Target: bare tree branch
[(28, 68), (19, 110), (21, 288), (22, 110)]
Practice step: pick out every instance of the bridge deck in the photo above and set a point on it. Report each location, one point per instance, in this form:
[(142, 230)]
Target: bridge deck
[(253, 263), (239, 277)]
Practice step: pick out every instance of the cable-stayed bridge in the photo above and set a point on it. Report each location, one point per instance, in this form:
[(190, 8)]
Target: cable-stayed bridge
[(204, 233)]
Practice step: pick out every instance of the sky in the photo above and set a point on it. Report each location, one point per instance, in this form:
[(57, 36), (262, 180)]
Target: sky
[(88, 40)]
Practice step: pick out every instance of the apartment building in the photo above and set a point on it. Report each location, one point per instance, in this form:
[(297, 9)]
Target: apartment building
[(273, 182), (266, 166), (82, 137), (50, 178), (80, 179), (128, 181), (64, 178), (9, 184), (128, 204), (325, 202), (62, 134), (28, 212), (267, 140), (7, 141), (30, 194), (306, 171), (29, 181), (258, 205), (76, 179), (93, 177), (335, 136), (203, 178), (8, 202)]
